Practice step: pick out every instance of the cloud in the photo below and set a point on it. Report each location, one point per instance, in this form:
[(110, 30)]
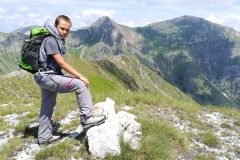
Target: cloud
[(215, 19), (23, 9), (88, 16), (231, 20), (15, 14), (21, 17), (97, 12), (129, 24), (136, 24), (176, 3), (190, 2), (2, 11)]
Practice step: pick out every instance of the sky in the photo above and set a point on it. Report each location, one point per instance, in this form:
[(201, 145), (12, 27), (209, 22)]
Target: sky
[(15, 14)]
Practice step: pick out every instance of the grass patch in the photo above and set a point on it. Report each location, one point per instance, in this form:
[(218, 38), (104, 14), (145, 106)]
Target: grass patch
[(60, 151), (126, 153), (21, 126), (63, 150), (13, 144), (226, 125), (3, 125), (228, 111), (204, 157), (160, 141), (73, 125), (65, 104), (196, 123), (237, 122), (210, 139), (237, 150)]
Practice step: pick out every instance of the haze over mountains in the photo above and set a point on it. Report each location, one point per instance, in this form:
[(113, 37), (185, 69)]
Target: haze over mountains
[(198, 57)]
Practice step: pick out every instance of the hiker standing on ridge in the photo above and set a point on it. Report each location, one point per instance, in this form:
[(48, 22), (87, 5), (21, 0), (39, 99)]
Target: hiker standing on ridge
[(52, 81)]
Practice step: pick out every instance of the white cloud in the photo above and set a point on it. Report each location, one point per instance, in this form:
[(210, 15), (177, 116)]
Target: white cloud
[(133, 13), (20, 18), (97, 12), (136, 24), (88, 16), (129, 24), (191, 2), (23, 9), (33, 15), (231, 20), (215, 19), (2, 11)]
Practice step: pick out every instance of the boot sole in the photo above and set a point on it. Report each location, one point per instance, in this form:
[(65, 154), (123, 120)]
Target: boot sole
[(87, 126), (53, 141)]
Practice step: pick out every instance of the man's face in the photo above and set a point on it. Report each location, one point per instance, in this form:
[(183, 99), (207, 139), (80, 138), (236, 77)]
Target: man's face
[(63, 28)]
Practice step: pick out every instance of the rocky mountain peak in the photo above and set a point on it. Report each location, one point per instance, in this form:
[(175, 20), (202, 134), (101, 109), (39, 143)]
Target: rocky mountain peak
[(104, 19), (111, 37), (188, 19), (104, 23), (25, 30)]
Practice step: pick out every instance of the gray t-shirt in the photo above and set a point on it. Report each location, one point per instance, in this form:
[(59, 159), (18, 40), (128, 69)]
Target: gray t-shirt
[(51, 47)]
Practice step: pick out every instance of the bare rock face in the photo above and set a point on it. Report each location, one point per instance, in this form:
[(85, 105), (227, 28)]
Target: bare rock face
[(105, 138), (131, 129)]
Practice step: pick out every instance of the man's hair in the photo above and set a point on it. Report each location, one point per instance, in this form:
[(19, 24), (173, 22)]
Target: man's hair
[(65, 18)]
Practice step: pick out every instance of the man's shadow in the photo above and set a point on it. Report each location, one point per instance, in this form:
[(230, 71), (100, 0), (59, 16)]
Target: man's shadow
[(30, 132), (33, 132)]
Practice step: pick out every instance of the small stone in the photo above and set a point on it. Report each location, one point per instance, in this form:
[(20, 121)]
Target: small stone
[(127, 108)]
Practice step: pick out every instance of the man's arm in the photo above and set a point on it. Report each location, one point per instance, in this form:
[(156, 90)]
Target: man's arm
[(69, 69)]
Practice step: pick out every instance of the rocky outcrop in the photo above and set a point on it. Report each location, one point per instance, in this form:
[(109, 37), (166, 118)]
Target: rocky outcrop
[(122, 127), (101, 140), (105, 139), (225, 129), (131, 129)]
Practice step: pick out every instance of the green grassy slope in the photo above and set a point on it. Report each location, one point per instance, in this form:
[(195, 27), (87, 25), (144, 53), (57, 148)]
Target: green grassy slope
[(22, 95), (160, 140)]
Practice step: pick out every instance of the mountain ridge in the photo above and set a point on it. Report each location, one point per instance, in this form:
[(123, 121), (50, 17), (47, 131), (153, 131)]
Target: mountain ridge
[(199, 57)]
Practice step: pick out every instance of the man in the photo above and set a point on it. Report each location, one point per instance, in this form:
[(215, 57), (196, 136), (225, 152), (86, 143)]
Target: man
[(52, 81)]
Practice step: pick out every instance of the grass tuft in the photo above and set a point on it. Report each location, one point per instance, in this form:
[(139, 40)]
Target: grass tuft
[(204, 157), (64, 150), (210, 139), (8, 150)]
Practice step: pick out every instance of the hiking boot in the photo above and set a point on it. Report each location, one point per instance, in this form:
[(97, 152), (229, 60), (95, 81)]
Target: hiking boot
[(51, 140), (93, 121), (55, 126), (77, 132)]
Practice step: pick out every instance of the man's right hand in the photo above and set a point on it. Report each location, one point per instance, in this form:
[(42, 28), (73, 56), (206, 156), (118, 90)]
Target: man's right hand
[(84, 79)]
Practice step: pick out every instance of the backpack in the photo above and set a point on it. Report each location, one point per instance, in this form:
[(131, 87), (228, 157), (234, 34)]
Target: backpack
[(29, 59)]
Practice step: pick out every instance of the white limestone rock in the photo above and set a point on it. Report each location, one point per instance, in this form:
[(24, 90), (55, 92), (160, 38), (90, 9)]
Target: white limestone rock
[(131, 129), (105, 138)]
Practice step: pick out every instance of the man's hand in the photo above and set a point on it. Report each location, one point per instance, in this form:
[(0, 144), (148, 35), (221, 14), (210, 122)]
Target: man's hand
[(84, 79)]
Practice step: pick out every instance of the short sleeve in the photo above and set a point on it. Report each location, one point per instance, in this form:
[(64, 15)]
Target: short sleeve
[(51, 46)]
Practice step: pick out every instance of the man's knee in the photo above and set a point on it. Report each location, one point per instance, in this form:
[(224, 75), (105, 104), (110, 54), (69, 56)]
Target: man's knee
[(80, 85)]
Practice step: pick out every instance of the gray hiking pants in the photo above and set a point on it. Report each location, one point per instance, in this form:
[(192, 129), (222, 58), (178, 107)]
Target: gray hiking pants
[(51, 85)]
